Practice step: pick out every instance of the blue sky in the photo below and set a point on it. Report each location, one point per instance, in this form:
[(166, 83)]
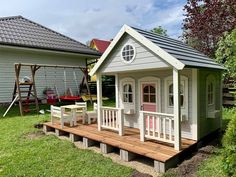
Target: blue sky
[(87, 19)]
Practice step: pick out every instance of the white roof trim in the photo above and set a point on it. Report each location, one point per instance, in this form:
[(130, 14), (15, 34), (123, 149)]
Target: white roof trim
[(149, 44)]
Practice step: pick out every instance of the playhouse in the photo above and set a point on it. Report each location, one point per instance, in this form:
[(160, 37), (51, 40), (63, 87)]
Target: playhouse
[(164, 88)]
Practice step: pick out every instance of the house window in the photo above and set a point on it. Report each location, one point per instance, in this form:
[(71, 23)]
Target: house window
[(149, 94), (210, 96), (210, 93), (128, 53), (171, 95), (127, 93)]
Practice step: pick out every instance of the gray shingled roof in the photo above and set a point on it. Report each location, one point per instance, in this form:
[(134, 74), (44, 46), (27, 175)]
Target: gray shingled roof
[(19, 31), (187, 55)]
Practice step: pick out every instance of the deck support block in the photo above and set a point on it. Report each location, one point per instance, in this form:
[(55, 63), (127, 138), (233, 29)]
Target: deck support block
[(47, 129), (60, 132), (159, 167), (126, 155), (74, 138), (105, 148), (88, 142), (162, 167)]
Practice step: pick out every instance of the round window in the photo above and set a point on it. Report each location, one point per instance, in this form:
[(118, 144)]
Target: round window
[(128, 53)]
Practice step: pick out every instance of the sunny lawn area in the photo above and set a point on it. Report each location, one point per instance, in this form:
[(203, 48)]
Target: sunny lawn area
[(213, 166), (21, 155)]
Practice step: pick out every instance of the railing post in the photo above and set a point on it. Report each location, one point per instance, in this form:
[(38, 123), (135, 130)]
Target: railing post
[(121, 121), (142, 126)]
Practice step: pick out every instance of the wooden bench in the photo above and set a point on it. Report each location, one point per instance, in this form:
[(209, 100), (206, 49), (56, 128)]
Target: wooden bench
[(59, 113)]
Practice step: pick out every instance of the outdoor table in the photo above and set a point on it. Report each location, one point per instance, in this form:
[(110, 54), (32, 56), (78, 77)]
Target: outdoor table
[(73, 109)]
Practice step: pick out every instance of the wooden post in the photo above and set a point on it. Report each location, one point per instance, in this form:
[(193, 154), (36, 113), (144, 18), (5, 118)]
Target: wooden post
[(142, 126), (121, 121), (33, 70), (117, 90), (177, 123), (99, 100), (17, 71)]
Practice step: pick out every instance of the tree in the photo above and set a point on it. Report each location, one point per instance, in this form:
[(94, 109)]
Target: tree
[(159, 30), (226, 54), (206, 21)]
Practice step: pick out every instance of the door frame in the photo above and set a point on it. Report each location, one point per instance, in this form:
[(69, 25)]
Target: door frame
[(150, 80)]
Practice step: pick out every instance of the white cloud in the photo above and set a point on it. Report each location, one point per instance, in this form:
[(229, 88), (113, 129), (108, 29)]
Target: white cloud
[(86, 19)]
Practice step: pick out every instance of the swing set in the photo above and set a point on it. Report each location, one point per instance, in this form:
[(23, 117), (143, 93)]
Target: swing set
[(23, 91)]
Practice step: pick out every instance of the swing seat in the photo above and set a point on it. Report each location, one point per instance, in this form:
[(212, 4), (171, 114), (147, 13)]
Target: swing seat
[(70, 98)]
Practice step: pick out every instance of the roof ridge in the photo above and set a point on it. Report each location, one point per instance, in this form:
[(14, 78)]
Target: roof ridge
[(167, 37), (101, 40), (10, 17), (175, 40)]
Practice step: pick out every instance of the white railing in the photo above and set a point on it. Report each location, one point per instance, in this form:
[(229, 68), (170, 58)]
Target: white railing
[(112, 118), (157, 126)]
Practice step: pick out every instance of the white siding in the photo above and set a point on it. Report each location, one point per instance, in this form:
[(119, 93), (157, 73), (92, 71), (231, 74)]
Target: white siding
[(144, 58), (133, 120), (7, 71)]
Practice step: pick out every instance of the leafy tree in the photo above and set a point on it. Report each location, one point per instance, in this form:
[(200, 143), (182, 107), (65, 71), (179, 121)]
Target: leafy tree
[(226, 54), (159, 30), (206, 21)]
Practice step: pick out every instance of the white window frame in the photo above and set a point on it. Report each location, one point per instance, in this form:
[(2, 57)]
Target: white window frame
[(210, 108), (121, 52), (184, 109), (129, 107), (126, 92)]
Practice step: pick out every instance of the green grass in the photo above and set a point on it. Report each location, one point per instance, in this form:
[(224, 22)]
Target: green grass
[(213, 166), (47, 155)]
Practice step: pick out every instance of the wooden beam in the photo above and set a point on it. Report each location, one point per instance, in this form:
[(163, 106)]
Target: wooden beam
[(177, 110), (48, 65), (117, 90), (17, 82)]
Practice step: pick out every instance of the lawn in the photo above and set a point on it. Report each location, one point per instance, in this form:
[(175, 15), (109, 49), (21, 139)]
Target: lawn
[(22, 154)]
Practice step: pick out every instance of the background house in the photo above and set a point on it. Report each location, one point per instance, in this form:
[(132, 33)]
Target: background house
[(24, 41)]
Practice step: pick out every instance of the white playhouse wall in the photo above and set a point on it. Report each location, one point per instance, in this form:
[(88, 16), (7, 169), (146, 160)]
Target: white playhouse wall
[(189, 127)]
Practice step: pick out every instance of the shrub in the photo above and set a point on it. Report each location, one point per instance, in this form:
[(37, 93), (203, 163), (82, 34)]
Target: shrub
[(229, 151)]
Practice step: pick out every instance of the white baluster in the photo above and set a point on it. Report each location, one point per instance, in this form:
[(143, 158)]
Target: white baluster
[(103, 117), (164, 128), (113, 119), (148, 125), (153, 126), (170, 125)]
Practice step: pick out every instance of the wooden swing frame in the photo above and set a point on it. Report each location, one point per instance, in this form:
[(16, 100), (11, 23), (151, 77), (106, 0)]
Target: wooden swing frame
[(34, 68)]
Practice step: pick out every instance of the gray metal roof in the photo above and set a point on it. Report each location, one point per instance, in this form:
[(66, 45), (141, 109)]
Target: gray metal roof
[(184, 53), (19, 31)]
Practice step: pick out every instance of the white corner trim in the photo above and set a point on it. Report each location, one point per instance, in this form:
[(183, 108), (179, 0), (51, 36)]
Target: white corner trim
[(153, 47), (195, 109)]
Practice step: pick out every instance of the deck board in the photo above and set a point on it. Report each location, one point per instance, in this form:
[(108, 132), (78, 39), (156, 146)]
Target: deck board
[(130, 141)]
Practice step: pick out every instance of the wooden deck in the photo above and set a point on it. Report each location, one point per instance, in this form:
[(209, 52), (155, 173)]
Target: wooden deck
[(130, 142)]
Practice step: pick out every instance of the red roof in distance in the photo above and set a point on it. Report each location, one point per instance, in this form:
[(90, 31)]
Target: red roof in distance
[(101, 45)]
